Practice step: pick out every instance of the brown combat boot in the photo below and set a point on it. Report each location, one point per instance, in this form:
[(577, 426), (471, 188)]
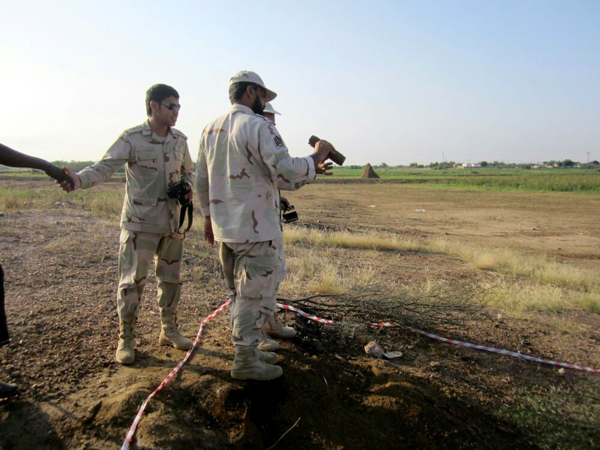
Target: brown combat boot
[(275, 328), (266, 344), (268, 357), (169, 335), (247, 365), (126, 348)]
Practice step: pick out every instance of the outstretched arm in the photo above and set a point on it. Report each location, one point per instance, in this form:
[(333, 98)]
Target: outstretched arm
[(113, 159), (13, 158)]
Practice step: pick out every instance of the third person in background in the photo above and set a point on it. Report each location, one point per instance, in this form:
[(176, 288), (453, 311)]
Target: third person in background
[(273, 327)]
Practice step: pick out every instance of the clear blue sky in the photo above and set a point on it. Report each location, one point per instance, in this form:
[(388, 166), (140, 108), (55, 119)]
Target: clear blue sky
[(384, 81)]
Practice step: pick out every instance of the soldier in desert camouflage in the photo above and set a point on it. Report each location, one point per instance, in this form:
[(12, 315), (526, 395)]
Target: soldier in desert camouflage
[(241, 159), (156, 158)]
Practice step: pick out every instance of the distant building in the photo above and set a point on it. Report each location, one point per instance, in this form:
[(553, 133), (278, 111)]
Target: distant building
[(469, 166)]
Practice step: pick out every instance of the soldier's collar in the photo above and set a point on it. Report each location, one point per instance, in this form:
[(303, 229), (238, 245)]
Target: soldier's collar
[(146, 128), (241, 108), (148, 131)]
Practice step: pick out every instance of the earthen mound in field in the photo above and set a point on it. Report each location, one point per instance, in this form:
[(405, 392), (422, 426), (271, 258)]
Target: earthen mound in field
[(369, 172)]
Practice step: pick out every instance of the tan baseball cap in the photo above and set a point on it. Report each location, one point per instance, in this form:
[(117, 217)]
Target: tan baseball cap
[(247, 76), (269, 109)]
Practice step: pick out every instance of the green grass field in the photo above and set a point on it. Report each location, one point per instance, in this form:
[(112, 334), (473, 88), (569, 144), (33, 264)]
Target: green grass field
[(548, 180), (556, 180)]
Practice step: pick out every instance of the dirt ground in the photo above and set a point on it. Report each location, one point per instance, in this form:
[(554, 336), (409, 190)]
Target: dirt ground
[(61, 262)]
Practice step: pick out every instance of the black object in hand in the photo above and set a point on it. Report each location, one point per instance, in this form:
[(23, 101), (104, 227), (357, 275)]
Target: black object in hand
[(290, 215), (179, 191)]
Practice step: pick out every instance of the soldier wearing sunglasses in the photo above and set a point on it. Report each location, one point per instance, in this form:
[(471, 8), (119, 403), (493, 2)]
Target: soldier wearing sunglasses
[(157, 158)]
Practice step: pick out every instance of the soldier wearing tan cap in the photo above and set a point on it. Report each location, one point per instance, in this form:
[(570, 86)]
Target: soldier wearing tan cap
[(157, 158), (241, 160)]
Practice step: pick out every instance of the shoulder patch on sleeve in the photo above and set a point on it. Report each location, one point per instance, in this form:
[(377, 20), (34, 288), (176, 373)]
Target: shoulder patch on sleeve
[(276, 136), (176, 133)]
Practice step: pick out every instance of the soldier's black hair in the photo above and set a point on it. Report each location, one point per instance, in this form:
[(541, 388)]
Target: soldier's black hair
[(157, 93), (236, 90)]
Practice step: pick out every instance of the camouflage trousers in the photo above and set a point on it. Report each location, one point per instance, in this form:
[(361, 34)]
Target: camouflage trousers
[(137, 250), (281, 266), (250, 274)]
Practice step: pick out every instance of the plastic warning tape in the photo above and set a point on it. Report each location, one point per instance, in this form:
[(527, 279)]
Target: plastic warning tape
[(490, 349), (453, 341), (303, 314), (167, 380)]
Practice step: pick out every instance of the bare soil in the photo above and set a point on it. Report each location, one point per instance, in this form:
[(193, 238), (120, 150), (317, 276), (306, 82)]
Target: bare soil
[(61, 266)]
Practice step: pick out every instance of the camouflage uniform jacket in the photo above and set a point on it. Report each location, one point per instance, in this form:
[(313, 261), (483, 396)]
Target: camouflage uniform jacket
[(154, 164), (241, 161)]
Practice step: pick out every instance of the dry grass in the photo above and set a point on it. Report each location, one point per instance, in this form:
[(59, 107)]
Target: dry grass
[(105, 206), (531, 283), (319, 271), (347, 240), (105, 203), (511, 263), (534, 283), (517, 298), (18, 199)]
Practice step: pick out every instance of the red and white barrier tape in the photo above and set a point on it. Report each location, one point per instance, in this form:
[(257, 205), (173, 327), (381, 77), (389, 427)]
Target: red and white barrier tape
[(489, 349), (306, 315), (167, 380), (452, 341)]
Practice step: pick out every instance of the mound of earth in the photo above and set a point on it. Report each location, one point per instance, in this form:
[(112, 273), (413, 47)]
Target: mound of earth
[(368, 172)]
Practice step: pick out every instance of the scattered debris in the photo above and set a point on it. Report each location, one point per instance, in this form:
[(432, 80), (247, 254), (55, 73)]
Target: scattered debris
[(65, 203), (392, 355), (374, 349)]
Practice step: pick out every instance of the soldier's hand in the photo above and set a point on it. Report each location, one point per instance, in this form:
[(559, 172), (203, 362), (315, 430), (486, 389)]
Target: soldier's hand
[(323, 168), (322, 149), (66, 185), (208, 232), (285, 203)]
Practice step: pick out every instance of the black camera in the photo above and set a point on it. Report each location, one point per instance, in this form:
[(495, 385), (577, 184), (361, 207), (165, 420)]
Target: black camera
[(290, 215), (179, 191)]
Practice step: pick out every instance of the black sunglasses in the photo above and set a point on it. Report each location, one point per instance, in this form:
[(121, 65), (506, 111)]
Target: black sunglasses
[(172, 106)]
